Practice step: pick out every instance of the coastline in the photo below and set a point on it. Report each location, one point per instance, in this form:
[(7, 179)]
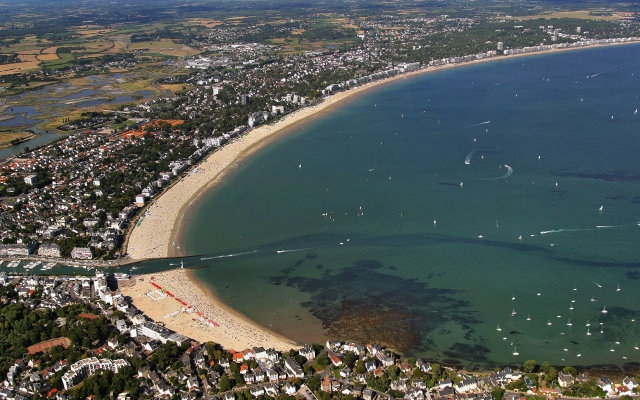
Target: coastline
[(159, 234), (169, 213), (188, 307)]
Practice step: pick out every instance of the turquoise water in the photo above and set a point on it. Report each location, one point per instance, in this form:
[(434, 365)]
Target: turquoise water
[(368, 224)]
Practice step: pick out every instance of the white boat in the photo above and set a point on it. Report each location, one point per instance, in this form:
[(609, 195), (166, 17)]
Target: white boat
[(514, 313), (498, 328), (588, 323), (601, 208), (569, 322), (604, 310), (528, 318), (549, 323), (618, 288), (515, 351), (588, 332), (13, 264)]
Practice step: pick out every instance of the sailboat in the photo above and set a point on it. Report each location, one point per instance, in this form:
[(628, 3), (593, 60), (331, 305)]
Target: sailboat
[(601, 208), (515, 351), (549, 323), (528, 318), (635, 112), (181, 264), (569, 322), (514, 313), (604, 310), (498, 328), (588, 332), (618, 288), (513, 298), (588, 323)]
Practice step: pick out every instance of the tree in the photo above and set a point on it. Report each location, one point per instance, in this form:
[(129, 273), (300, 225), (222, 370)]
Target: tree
[(530, 366), (225, 383), (570, 370), (313, 383), (497, 393)]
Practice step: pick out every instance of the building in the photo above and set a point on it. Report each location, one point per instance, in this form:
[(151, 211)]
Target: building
[(83, 253), (30, 180), (49, 250), (500, 46), (293, 367), (87, 366)]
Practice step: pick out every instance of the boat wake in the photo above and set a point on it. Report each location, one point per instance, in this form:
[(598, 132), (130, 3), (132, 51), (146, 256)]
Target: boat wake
[(478, 124), (505, 176), (564, 230), (290, 250), (229, 255), (467, 159)]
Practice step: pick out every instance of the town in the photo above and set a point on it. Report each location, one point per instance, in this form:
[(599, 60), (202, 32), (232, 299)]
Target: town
[(73, 337), (80, 196)]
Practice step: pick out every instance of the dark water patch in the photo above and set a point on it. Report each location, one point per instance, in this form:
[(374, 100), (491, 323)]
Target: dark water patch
[(634, 275), (612, 176), (360, 302), (473, 352), (449, 183)]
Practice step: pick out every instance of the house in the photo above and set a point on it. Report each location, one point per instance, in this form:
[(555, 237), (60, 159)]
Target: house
[(423, 366), (336, 359), (289, 388), (293, 367), (447, 383), (631, 383), (565, 380), (605, 384), (308, 352), (466, 385)]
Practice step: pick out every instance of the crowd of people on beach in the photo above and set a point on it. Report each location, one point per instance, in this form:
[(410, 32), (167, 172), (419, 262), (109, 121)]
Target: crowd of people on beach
[(232, 331)]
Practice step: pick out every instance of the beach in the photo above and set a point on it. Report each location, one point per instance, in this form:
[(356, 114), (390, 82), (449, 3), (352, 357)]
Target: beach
[(158, 234), (180, 303)]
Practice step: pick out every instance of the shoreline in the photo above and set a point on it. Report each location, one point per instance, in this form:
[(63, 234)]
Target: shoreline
[(188, 307), (169, 213)]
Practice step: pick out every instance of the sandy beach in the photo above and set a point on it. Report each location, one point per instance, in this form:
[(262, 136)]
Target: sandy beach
[(158, 234), (178, 301)]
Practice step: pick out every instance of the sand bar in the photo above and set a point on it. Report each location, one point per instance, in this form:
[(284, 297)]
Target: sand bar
[(189, 309), (158, 235)]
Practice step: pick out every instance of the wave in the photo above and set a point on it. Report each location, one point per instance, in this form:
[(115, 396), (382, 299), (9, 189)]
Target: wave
[(229, 255)]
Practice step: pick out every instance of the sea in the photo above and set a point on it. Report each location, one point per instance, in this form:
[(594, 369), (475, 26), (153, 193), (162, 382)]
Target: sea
[(478, 216)]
